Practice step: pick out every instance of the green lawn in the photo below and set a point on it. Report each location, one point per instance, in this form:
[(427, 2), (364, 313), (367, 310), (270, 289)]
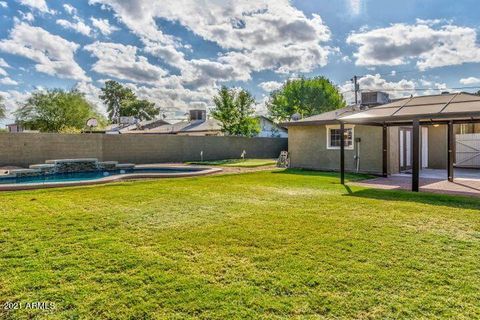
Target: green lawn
[(247, 163), (259, 245)]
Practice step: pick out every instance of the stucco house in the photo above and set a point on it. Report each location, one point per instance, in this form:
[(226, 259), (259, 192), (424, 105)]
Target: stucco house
[(379, 139)]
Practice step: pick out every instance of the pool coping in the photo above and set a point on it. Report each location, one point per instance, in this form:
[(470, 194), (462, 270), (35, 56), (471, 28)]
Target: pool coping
[(115, 178)]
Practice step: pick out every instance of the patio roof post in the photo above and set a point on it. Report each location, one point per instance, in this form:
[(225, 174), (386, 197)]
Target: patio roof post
[(342, 153), (451, 148), (416, 156), (385, 150)]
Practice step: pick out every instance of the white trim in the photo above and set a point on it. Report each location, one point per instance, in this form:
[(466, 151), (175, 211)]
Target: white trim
[(347, 126)]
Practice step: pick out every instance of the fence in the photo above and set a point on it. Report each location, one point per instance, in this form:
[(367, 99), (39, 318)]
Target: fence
[(23, 149), (468, 150)]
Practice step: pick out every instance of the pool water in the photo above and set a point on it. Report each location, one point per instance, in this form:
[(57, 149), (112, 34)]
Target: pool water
[(87, 176)]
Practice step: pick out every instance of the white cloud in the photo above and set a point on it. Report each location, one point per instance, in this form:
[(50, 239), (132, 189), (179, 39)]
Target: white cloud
[(3, 4), (436, 88), (8, 81), (258, 35), (78, 26), (270, 86), (70, 9), (53, 54), (40, 5), (3, 72), (92, 94), (375, 82), (104, 26), (175, 99), (122, 62), (27, 16), (4, 63), (470, 80), (428, 46), (355, 7), (12, 99)]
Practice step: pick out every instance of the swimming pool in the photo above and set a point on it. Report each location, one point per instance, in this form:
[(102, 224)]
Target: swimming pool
[(98, 177)]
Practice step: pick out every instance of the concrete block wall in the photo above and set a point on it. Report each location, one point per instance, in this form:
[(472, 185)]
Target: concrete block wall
[(23, 149)]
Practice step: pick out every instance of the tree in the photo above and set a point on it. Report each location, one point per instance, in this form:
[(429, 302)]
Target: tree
[(114, 95), (140, 109), (56, 111), (234, 109), (306, 97), (478, 93), (3, 110)]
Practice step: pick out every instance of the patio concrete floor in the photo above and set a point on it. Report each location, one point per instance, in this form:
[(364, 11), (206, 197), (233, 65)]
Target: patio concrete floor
[(467, 182)]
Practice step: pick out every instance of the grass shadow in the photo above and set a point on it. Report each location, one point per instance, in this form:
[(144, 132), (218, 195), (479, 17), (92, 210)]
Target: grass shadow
[(454, 201)]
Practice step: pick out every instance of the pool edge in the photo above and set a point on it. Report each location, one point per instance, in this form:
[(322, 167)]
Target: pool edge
[(110, 179)]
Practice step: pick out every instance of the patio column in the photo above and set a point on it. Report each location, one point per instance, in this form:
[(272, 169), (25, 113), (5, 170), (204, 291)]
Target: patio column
[(451, 149), (385, 150), (342, 153), (416, 156)]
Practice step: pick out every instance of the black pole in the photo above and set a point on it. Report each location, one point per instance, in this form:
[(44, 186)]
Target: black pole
[(416, 156), (342, 153), (385, 150), (451, 148)]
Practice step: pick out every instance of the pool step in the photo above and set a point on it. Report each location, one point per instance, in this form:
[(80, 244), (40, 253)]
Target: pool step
[(45, 168), (20, 173), (125, 166), (107, 165)]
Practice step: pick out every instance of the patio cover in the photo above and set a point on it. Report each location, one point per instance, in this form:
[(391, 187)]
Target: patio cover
[(457, 107), (446, 109)]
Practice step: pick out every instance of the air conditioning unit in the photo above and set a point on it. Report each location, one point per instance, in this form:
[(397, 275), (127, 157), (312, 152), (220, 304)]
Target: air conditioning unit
[(374, 98)]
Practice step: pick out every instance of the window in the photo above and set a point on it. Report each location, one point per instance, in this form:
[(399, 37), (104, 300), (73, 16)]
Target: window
[(334, 135)]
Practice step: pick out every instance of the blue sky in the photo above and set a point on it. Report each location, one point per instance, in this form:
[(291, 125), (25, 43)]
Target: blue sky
[(178, 53)]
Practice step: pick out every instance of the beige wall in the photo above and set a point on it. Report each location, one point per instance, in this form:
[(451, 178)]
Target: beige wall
[(23, 149), (308, 149)]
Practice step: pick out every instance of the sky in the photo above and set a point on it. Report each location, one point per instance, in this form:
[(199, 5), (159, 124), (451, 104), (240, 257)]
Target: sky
[(178, 53)]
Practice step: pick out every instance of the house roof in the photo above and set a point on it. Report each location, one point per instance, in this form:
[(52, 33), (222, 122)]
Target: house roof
[(456, 106)]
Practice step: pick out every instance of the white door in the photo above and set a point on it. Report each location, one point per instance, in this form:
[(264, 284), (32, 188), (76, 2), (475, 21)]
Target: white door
[(405, 149), (424, 147)]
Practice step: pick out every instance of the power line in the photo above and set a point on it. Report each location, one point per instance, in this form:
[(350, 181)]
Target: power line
[(391, 73), (413, 89), (421, 89)]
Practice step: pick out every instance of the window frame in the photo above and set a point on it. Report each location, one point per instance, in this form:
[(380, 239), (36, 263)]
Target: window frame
[(337, 127)]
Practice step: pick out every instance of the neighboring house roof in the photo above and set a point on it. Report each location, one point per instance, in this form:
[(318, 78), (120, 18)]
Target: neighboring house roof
[(142, 125), (200, 126), (326, 117), (279, 126), (432, 107), (149, 124), (208, 125)]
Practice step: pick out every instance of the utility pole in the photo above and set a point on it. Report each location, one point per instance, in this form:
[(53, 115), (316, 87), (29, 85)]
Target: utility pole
[(356, 88)]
